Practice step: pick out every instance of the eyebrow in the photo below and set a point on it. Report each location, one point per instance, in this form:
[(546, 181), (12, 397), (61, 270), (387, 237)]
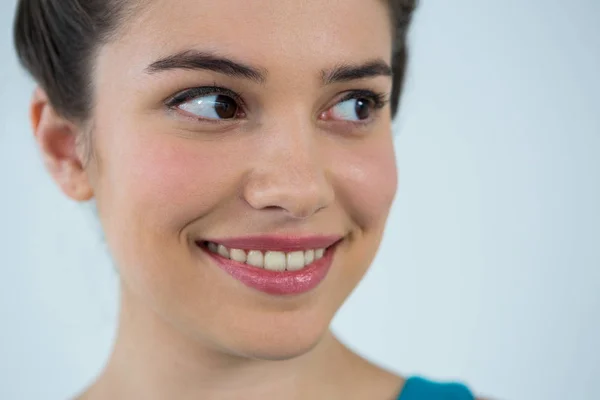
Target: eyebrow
[(350, 72), (200, 60)]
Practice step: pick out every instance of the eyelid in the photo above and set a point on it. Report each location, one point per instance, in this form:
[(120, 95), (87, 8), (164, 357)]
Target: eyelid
[(379, 99), (195, 92)]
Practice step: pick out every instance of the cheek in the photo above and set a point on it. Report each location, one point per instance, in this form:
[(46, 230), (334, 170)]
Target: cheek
[(167, 180), (152, 185), (367, 183)]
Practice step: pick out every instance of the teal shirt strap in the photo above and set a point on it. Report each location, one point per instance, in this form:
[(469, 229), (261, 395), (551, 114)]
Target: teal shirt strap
[(417, 388)]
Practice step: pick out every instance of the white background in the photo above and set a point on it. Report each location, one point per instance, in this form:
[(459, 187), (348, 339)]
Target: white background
[(490, 269)]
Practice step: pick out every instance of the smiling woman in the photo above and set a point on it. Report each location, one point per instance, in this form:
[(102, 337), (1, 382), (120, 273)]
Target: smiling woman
[(240, 156)]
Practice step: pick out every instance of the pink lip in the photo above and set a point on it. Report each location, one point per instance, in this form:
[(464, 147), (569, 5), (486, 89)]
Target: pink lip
[(278, 243), (279, 283)]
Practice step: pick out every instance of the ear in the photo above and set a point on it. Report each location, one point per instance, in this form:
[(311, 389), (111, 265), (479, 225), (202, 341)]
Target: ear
[(57, 140)]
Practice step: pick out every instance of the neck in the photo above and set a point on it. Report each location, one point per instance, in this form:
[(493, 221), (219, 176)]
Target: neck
[(151, 359)]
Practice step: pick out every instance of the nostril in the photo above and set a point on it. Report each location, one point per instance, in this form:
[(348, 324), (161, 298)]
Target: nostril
[(272, 208)]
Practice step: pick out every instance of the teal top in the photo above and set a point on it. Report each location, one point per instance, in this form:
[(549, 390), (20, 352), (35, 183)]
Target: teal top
[(417, 388)]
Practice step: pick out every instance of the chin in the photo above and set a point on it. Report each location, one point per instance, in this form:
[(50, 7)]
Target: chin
[(279, 350), (274, 342)]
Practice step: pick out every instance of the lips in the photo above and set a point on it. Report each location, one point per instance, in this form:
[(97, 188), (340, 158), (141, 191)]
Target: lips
[(274, 276)]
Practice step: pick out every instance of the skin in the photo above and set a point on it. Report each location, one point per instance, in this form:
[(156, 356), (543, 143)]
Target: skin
[(161, 179)]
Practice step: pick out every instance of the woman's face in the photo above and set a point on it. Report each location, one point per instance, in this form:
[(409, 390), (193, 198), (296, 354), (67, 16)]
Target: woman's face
[(282, 145)]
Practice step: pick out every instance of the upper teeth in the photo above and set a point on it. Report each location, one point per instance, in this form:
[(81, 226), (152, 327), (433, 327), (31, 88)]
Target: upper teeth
[(271, 260)]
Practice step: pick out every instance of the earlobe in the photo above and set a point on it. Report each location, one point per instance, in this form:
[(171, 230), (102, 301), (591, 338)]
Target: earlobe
[(57, 140)]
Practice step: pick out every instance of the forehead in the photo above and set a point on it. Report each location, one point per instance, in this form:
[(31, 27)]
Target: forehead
[(270, 33)]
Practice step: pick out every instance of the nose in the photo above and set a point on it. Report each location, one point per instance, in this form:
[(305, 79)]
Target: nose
[(289, 174)]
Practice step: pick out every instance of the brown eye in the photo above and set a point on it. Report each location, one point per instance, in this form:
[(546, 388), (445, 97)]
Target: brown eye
[(363, 109), (357, 109), (215, 106), (225, 107)]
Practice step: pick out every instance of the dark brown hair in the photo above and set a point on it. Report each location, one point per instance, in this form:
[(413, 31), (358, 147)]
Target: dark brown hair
[(56, 41)]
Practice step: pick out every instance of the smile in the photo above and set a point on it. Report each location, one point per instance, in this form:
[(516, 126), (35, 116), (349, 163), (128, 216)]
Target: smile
[(270, 260), (276, 266)]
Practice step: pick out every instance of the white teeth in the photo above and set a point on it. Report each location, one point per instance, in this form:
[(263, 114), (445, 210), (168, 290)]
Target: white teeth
[(295, 261), (275, 261), (271, 260), (223, 252), (319, 254), (238, 255), (255, 258), (309, 257)]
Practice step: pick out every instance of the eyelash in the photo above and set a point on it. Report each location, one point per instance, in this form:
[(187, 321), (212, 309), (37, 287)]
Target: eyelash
[(378, 99), (192, 93)]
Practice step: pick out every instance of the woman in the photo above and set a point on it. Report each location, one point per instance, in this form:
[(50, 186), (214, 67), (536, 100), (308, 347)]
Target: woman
[(240, 156)]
